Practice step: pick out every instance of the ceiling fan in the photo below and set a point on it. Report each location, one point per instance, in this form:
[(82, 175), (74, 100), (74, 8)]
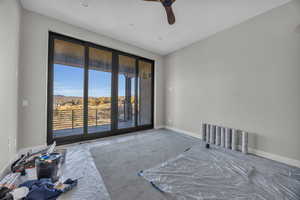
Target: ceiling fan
[(168, 7)]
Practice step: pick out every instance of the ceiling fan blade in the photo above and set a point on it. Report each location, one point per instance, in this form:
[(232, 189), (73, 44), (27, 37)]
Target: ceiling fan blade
[(170, 14), (168, 7)]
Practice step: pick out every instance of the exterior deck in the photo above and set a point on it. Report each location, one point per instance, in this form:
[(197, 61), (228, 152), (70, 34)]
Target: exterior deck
[(91, 129)]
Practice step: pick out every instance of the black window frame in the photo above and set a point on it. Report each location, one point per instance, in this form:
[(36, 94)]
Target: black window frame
[(114, 85)]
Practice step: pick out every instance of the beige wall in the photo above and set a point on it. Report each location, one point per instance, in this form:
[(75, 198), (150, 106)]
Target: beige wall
[(9, 55), (33, 73), (246, 77)]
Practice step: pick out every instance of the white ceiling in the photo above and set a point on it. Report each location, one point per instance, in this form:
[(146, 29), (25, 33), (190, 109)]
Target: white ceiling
[(144, 24)]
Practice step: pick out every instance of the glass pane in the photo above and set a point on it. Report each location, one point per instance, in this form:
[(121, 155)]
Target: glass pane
[(145, 93), (68, 89), (100, 75), (126, 92)]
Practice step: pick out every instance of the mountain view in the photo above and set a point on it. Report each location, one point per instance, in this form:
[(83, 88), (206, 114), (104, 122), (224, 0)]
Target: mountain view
[(68, 111)]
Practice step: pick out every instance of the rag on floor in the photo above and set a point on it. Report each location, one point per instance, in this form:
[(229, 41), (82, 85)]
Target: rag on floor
[(44, 189)]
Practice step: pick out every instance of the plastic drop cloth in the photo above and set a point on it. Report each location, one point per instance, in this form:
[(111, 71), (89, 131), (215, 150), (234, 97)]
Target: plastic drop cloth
[(80, 165), (220, 174)]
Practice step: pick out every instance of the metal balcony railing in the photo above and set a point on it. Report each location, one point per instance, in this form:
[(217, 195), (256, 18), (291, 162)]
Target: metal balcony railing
[(71, 119)]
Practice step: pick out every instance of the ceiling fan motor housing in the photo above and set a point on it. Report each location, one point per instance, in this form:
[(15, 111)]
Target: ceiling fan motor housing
[(167, 3)]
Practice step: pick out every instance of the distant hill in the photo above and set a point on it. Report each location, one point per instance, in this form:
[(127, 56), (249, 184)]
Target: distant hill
[(61, 100)]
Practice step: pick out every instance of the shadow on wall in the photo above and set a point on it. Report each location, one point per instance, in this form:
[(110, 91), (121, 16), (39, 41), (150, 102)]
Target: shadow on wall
[(297, 29), (252, 140), (252, 143)]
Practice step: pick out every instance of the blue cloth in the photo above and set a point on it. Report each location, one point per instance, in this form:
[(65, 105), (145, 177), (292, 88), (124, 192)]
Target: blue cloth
[(42, 189), (70, 184)]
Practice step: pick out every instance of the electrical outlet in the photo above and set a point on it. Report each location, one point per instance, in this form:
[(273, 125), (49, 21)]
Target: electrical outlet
[(12, 143), (25, 103)]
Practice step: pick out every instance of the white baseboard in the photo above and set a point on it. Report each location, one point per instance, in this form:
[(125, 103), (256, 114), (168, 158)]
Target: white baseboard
[(282, 159), (6, 168), (159, 127), (278, 158), (197, 135)]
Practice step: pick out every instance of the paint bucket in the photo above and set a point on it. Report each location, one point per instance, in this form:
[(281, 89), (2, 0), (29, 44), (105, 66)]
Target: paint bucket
[(47, 166)]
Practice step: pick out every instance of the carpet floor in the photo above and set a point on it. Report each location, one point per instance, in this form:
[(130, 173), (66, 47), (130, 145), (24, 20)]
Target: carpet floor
[(120, 163)]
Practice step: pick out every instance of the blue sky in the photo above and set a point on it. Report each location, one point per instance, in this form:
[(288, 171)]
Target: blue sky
[(68, 81)]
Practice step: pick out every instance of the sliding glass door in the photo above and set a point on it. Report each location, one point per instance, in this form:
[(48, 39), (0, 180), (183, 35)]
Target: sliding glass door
[(99, 90), (94, 91), (68, 89), (126, 92)]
